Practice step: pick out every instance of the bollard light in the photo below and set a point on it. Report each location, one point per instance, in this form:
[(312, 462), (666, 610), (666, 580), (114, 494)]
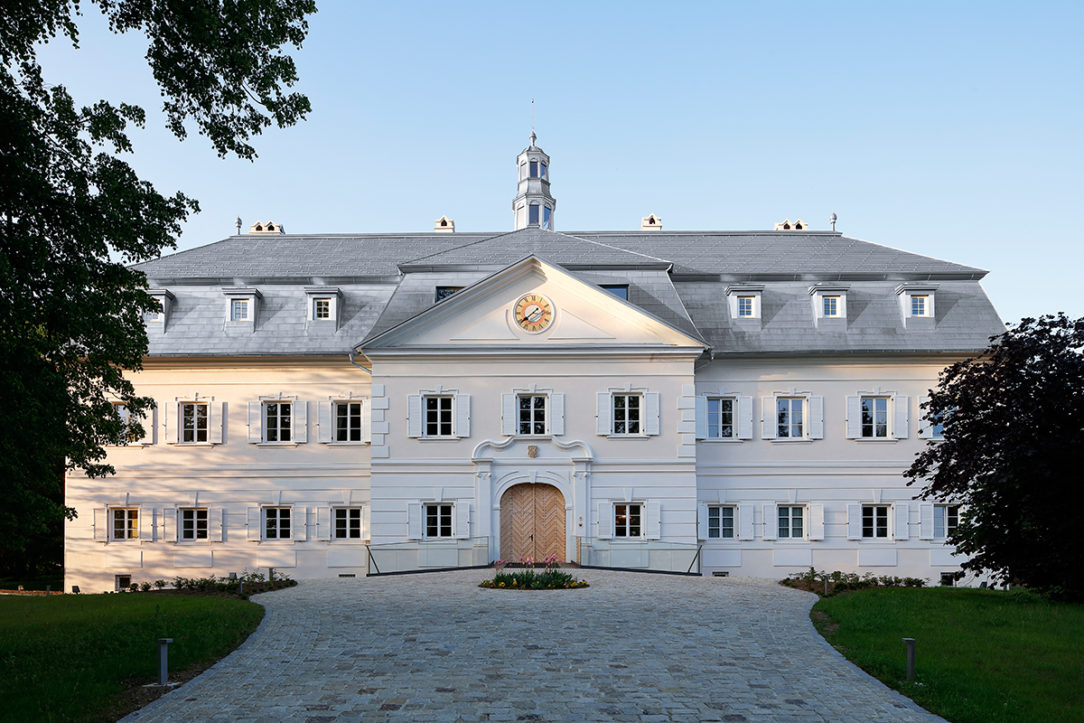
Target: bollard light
[(910, 642), (163, 660)]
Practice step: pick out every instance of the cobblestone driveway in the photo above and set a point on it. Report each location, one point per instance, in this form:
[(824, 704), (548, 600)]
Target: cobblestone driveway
[(633, 647)]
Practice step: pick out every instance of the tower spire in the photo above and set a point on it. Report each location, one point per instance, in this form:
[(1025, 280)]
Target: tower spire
[(533, 205)]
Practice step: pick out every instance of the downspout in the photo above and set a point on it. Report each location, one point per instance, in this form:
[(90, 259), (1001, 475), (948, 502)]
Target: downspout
[(359, 366)]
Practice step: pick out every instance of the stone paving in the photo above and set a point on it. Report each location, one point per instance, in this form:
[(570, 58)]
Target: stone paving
[(632, 647)]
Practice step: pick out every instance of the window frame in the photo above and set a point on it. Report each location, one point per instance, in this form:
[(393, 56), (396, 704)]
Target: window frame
[(321, 308), (920, 305), (182, 408), (803, 422), (336, 404), (130, 523), (444, 522), (195, 513), (942, 511), (353, 516), (440, 293), (719, 399), (439, 434), (876, 522), (785, 532), (277, 512), (623, 525), (241, 309), (614, 288), (265, 410), (746, 306), (532, 421), (640, 410), (716, 515), (889, 412)]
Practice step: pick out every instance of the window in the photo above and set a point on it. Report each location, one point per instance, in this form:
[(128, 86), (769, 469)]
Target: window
[(152, 316), (277, 421), (831, 305), (721, 522), (791, 519), (875, 417), (626, 413), (532, 414), (627, 520), (239, 309), (125, 417), (946, 518), (321, 309), (276, 523), (544, 170), (121, 583), (621, 291), (193, 523), (937, 425), (745, 306), (720, 418), (347, 523), (534, 169), (875, 521), (347, 421), (193, 422), (547, 217), (125, 523), (789, 417), (443, 292), (532, 214), (438, 416), (438, 520), (920, 305)]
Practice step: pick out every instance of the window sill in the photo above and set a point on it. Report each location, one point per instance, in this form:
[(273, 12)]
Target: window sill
[(628, 436), (791, 440), (275, 444), (882, 440), (530, 437), (195, 444), (722, 440), (345, 444)]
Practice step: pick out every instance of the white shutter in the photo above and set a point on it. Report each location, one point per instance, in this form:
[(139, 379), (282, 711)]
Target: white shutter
[(301, 421), (144, 531), (366, 520), (414, 415), (171, 423), (745, 522), (605, 520), (170, 531), (150, 426), (414, 521), (771, 523), (651, 413), (901, 527), (768, 423), (745, 417), (557, 414), (100, 521), (462, 415), (701, 408), (816, 417), (901, 406), (854, 419), (925, 429), (653, 526), (816, 522), (324, 419), (462, 520), (216, 421), (367, 421), (854, 522), (925, 530), (299, 523), (255, 422), (216, 524), (508, 414), (603, 414), (701, 521), (254, 524), (323, 523)]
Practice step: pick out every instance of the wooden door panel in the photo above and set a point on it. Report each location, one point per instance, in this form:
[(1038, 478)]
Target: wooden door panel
[(532, 522), (549, 522)]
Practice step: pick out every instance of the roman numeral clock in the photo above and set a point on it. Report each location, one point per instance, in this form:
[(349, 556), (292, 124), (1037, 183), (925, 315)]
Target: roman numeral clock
[(533, 313)]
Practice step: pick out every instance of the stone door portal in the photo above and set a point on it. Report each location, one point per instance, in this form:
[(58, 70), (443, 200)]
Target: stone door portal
[(532, 522)]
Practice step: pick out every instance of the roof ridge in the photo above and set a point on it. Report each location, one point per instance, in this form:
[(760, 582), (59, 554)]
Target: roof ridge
[(452, 248)]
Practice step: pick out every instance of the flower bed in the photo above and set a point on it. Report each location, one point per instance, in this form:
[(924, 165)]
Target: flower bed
[(550, 578)]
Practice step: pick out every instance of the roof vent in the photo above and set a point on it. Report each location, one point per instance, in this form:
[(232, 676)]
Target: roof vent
[(444, 225), (651, 222), (786, 225), (266, 227)]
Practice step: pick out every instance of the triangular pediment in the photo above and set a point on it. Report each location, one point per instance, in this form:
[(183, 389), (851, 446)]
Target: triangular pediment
[(532, 304)]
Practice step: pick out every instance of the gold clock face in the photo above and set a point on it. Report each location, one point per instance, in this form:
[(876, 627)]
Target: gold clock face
[(533, 313)]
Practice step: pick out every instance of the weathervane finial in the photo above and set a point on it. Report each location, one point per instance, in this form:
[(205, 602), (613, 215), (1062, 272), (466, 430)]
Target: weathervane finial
[(533, 136)]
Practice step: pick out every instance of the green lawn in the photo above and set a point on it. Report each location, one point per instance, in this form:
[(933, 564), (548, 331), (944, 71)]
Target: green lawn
[(73, 657), (981, 655)]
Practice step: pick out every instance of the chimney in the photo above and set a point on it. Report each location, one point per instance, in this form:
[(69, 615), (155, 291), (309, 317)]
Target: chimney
[(651, 222), (444, 225), (786, 225), (261, 227)]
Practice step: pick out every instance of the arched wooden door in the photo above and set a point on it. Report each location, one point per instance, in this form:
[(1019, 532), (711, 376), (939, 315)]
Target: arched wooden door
[(532, 522)]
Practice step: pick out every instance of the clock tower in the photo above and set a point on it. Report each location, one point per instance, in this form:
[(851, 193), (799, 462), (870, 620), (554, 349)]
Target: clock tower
[(533, 206)]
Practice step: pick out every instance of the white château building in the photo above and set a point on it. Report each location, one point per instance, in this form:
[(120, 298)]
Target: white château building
[(722, 401)]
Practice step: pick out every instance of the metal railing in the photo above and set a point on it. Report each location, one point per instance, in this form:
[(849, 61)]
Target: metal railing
[(391, 558), (677, 558)]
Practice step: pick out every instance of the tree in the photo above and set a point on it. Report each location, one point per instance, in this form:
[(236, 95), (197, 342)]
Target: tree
[(74, 214), (1013, 439)]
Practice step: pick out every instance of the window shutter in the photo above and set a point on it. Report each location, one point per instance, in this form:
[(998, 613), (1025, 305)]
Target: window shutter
[(651, 413), (745, 522), (701, 521), (144, 531), (301, 421), (216, 421), (901, 525), (925, 530), (816, 417), (603, 413), (414, 416), (557, 414), (816, 522), (771, 521), (462, 520), (255, 422), (745, 417), (462, 415), (854, 522), (326, 424), (323, 523), (901, 411), (367, 421), (414, 521), (701, 408), (508, 414), (171, 423), (101, 525), (170, 532), (854, 420), (366, 522), (605, 518), (653, 528), (150, 426), (768, 421), (299, 523), (255, 524), (216, 524)]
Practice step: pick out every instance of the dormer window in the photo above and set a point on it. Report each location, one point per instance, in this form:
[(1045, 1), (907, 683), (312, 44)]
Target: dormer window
[(920, 305), (324, 302), (240, 309), (158, 319), (621, 291), (321, 309), (917, 304), (829, 305), (443, 292), (744, 302), (747, 306)]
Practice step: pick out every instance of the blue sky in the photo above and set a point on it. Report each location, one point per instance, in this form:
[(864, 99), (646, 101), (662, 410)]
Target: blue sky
[(946, 129)]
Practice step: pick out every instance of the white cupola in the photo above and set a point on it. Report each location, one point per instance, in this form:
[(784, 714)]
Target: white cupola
[(533, 205)]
